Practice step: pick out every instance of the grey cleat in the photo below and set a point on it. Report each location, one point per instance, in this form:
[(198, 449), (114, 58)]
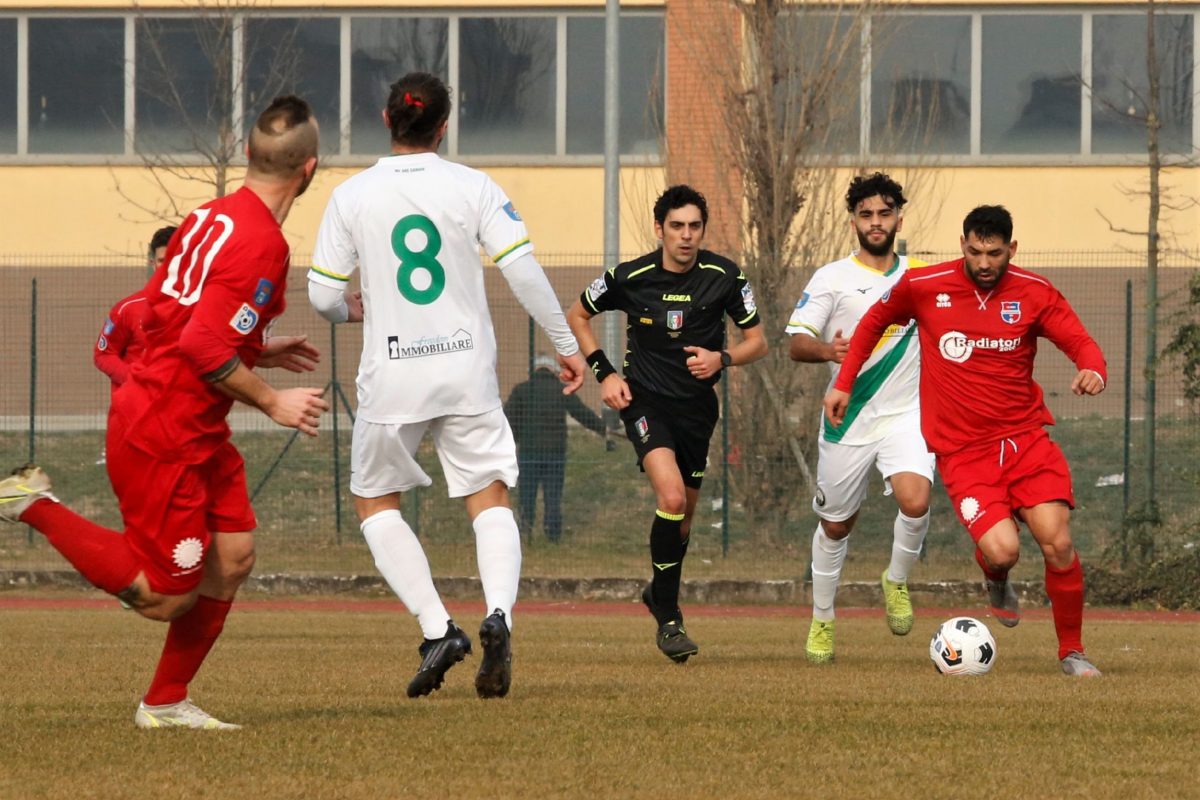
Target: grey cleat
[(1006, 608), (1077, 665), (23, 488), (184, 714)]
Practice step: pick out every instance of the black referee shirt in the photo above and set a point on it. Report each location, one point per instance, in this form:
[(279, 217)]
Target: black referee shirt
[(668, 311)]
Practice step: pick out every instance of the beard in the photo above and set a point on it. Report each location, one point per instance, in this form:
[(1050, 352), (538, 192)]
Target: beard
[(881, 249)]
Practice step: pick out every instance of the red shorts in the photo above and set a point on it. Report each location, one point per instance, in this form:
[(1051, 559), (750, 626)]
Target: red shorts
[(986, 484), (172, 510)]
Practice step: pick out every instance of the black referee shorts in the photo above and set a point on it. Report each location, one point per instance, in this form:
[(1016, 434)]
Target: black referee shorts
[(683, 426)]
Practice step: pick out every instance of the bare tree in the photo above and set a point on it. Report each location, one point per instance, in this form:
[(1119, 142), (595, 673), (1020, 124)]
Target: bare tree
[(786, 78), (192, 75)]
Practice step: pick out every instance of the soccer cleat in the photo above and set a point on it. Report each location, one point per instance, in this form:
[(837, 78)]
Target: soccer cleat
[(1006, 608), (19, 491), (674, 643), (1077, 665), (495, 673), (819, 648), (898, 605), (184, 714), (437, 656)]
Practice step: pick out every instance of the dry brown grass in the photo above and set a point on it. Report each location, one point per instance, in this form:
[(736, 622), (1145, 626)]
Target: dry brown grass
[(596, 711)]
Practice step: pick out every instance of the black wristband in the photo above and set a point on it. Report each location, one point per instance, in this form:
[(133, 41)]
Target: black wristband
[(601, 366)]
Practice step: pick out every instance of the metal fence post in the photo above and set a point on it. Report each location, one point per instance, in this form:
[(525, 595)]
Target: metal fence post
[(33, 312), (1128, 399), (337, 467), (725, 467)]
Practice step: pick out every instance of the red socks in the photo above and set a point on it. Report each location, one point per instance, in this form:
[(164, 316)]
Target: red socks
[(189, 638), (1064, 587), (988, 572), (101, 555)]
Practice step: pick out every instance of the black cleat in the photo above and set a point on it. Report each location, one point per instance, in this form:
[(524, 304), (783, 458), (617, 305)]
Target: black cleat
[(674, 643), (495, 673), (437, 656)]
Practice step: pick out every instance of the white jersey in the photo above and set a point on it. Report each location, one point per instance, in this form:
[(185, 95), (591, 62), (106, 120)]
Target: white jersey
[(837, 296), (414, 225)]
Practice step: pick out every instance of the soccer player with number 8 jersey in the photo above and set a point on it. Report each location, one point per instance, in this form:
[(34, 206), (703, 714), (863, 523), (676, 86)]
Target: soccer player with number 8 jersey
[(412, 225), (188, 542)]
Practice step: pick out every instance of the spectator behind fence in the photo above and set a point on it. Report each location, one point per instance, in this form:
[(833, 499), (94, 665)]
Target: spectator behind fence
[(123, 336), (537, 413)]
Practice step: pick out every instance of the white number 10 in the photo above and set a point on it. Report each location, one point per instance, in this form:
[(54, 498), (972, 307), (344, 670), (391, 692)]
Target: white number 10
[(186, 287)]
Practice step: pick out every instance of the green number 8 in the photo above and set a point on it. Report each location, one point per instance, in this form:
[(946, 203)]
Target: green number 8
[(425, 259)]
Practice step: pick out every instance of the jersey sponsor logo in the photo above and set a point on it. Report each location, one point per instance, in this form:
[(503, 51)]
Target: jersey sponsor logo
[(109, 326), (244, 320), (863, 291), (943, 300), (645, 320), (598, 287), (969, 509), (457, 342), (512, 212), (642, 426), (263, 292), (102, 343), (748, 299), (957, 347), (674, 320), (1010, 311), (677, 298), (804, 298)]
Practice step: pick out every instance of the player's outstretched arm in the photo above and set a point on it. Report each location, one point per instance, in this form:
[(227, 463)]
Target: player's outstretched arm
[(1088, 381), (572, 368), (807, 348), (334, 304), (298, 408), (293, 353), (614, 391)]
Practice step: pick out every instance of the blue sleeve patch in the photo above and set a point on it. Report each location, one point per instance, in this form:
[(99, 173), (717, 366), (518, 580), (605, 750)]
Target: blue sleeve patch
[(263, 292), (803, 300), (512, 212), (109, 325), (244, 320)]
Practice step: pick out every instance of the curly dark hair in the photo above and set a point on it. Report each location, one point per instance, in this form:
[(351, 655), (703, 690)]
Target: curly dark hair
[(987, 222), (864, 186), (679, 196)]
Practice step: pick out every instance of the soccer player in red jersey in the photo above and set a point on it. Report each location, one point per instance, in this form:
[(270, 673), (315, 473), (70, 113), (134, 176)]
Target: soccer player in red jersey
[(983, 415), (123, 336), (188, 542)]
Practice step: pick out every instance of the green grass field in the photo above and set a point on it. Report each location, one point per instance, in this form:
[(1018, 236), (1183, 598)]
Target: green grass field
[(596, 711)]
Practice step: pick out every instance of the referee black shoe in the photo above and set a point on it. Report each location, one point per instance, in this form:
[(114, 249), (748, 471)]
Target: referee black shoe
[(495, 673), (437, 656), (674, 643)]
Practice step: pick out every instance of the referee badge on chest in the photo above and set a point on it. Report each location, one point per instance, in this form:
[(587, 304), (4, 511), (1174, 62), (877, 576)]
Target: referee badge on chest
[(674, 320)]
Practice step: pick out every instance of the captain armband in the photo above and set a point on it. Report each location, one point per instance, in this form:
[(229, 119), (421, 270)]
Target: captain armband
[(222, 372), (601, 366)]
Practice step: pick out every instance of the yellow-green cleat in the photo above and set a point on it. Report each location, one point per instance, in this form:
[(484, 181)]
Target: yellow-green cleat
[(819, 649), (898, 605)]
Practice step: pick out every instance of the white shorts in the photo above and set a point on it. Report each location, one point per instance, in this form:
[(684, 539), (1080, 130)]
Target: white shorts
[(843, 469), (474, 451)]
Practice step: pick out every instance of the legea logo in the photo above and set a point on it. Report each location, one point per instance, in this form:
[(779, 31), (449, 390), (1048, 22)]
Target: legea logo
[(957, 347)]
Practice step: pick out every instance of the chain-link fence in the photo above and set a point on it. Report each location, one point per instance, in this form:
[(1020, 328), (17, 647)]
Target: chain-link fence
[(53, 405)]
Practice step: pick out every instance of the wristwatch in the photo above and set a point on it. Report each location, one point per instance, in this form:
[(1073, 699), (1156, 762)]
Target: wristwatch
[(726, 359)]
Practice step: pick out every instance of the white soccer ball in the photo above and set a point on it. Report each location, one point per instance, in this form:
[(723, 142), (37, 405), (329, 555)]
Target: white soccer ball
[(963, 646)]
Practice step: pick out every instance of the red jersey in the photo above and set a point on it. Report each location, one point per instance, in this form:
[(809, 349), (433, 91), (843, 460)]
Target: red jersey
[(122, 338), (977, 350), (220, 284)]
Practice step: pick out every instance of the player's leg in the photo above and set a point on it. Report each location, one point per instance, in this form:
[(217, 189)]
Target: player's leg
[(907, 468), (842, 476), (479, 459), (1043, 492)]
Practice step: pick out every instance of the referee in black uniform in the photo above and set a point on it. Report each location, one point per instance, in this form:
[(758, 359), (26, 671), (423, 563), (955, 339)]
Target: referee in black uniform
[(675, 299)]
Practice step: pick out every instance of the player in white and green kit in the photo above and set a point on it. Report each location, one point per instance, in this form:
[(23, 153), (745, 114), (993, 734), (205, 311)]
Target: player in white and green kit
[(882, 427), (413, 226)]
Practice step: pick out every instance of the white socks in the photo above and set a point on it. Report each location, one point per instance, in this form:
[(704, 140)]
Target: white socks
[(827, 559), (401, 560), (498, 551), (908, 535)]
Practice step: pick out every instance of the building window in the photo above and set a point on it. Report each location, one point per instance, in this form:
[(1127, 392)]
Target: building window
[(921, 85), (8, 86), (290, 55), (1031, 84), (184, 92), (382, 49), (506, 97), (76, 85), (640, 92), (1120, 82)]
